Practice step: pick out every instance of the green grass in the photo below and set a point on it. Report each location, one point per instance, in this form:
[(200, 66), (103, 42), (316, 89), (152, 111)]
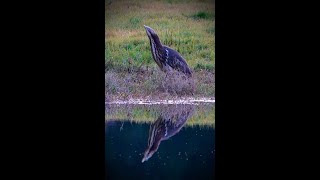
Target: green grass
[(203, 15), (187, 26), (184, 25)]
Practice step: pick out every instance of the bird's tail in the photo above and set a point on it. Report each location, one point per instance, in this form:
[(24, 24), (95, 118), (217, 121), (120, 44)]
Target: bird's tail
[(188, 73)]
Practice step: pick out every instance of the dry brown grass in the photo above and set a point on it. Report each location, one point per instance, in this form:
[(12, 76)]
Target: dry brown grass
[(154, 82)]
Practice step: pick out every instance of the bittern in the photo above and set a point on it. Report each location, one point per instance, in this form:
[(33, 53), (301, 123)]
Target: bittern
[(166, 126), (165, 57)]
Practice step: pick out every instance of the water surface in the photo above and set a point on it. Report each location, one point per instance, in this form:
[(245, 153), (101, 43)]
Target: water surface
[(159, 142)]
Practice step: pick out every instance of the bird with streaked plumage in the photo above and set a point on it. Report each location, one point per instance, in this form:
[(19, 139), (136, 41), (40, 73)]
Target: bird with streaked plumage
[(165, 57)]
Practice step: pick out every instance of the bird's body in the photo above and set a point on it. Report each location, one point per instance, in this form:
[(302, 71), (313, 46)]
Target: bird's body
[(165, 57)]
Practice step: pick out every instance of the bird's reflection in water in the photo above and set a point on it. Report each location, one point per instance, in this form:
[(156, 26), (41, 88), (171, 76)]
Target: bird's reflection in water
[(168, 124)]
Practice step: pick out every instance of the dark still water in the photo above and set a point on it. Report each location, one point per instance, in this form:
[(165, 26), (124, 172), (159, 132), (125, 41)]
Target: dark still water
[(165, 147)]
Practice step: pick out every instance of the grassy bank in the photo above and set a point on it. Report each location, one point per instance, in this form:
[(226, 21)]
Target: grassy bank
[(186, 26)]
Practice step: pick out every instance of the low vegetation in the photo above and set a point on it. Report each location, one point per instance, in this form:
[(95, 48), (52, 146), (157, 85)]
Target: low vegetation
[(184, 25)]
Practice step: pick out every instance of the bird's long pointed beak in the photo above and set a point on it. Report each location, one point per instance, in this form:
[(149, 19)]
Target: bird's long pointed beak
[(147, 28), (146, 156)]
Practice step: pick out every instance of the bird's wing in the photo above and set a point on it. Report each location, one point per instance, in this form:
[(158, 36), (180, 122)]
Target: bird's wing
[(180, 63), (176, 61)]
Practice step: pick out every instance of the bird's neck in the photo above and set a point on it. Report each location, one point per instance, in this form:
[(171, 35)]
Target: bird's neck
[(157, 50), (157, 44)]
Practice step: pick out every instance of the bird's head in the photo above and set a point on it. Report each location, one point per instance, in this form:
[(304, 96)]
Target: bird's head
[(156, 133), (150, 31), (151, 150), (152, 35), (146, 156)]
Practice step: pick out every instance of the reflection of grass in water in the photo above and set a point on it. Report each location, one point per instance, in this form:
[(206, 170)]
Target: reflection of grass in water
[(203, 115)]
